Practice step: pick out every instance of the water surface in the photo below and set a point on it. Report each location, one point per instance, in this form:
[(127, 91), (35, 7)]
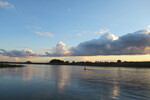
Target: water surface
[(60, 82)]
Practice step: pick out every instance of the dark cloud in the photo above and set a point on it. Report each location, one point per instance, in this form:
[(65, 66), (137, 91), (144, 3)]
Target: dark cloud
[(108, 44), (16, 53)]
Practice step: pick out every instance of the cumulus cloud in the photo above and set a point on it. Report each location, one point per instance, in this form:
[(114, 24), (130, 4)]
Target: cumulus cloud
[(46, 34), (16, 53), (108, 44), (5, 4), (58, 50)]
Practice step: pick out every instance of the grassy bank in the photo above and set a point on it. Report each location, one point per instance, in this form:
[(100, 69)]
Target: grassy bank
[(98, 64), (9, 65)]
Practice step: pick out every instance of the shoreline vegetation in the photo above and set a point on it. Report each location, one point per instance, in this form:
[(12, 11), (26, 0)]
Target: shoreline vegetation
[(119, 63), (4, 65)]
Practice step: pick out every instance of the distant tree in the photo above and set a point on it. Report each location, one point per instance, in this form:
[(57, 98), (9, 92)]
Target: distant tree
[(67, 62), (118, 61), (56, 61), (29, 62), (96, 61), (73, 62)]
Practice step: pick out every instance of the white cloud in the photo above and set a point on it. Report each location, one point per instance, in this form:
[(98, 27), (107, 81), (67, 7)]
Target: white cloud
[(148, 26), (144, 31), (46, 34), (36, 30), (58, 50), (5, 4), (102, 31), (16, 53), (108, 36), (80, 33)]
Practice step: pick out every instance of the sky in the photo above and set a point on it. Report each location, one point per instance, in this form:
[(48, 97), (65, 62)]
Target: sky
[(106, 30)]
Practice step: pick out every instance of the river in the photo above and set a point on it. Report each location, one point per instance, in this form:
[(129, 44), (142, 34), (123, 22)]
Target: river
[(61, 82)]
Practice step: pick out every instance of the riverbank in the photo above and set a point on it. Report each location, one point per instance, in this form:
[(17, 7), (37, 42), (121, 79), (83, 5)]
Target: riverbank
[(2, 65), (98, 64)]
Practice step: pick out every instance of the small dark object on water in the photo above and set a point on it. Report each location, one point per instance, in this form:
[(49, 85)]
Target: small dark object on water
[(84, 68)]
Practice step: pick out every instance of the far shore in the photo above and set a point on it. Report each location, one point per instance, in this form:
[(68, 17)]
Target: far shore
[(7, 65), (97, 64)]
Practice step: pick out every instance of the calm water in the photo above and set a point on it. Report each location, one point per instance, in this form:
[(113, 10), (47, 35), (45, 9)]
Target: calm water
[(53, 82)]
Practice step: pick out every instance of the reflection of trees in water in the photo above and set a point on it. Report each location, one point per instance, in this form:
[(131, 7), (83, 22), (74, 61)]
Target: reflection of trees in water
[(94, 83), (11, 72), (100, 84), (36, 73), (115, 82), (61, 76), (56, 74), (44, 81)]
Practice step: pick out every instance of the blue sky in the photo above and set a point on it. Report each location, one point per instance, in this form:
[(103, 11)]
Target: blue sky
[(38, 24)]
